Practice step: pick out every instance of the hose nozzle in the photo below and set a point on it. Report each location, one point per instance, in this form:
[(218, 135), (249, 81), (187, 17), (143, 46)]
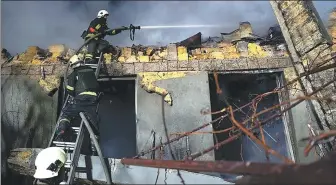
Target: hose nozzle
[(134, 27)]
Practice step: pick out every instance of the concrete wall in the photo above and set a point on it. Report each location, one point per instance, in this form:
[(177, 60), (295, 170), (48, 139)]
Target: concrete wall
[(190, 95), (28, 115)]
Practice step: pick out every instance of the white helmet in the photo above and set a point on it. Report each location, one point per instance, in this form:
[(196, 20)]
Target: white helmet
[(76, 61), (102, 13), (48, 162)]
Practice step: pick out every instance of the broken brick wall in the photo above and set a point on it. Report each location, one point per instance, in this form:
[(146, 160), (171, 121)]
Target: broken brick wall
[(309, 45), (225, 56)]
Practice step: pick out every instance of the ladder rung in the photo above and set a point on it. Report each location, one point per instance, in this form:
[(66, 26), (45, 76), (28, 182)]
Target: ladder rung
[(61, 143), (75, 128), (67, 148), (67, 164), (92, 65)]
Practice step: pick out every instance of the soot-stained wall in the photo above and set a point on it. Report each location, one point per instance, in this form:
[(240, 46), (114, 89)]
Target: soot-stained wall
[(28, 115)]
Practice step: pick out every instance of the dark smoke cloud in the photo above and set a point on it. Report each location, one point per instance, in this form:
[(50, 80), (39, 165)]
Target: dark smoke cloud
[(43, 23)]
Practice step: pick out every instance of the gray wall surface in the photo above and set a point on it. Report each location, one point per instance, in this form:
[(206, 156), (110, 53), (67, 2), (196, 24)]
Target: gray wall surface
[(301, 116), (28, 115), (190, 96)]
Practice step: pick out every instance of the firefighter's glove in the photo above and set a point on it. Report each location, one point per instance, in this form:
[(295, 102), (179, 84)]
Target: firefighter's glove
[(118, 31), (64, 131), (113, 32)]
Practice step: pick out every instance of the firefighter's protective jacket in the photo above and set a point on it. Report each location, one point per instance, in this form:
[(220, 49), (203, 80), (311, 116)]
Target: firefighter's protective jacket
[(99, 25), (82, 81)]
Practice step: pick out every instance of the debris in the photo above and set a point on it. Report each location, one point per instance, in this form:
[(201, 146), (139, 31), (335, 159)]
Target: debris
[(148, 80), (108, 58), (242, 48), (182, 53), (254, 50), (49, 83), (21, 160), (244, 32), (30, 54), (192, 42), (320, 139), (5, 54), (57, 51), (143, 58), (6, 57)]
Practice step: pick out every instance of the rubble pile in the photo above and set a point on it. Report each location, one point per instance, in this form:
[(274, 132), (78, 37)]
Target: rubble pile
[(36, 56), (49, 83), (244, 31), (224, 50), (58, 53), (142, 54)]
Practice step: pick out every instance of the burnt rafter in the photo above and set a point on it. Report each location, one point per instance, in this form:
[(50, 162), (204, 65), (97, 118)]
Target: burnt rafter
[(322, 171), (192, 42)]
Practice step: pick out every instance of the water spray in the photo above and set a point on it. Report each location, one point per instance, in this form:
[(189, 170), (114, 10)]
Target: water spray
[(181, 26)]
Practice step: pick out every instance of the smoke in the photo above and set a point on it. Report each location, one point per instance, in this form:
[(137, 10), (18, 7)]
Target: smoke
[(43, 23)]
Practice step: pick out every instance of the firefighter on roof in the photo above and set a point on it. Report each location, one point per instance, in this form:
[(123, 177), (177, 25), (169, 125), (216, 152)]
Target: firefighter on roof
[(83, 86), (98, 25)]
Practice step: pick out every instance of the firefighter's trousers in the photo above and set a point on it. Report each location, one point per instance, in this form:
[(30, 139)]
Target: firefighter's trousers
[(95, 46), (82, 103)]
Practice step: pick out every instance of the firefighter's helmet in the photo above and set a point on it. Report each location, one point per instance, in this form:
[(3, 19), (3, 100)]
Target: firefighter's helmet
[(76, 61), (102, 13), (48, 162)]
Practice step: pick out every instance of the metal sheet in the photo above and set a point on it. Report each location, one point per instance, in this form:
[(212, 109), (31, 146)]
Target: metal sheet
[(190, 95)]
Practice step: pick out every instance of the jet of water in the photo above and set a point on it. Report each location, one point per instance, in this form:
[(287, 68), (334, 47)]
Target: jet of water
[(181, 26)]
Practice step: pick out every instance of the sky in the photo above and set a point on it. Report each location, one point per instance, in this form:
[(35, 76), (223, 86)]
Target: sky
[(42, 23)]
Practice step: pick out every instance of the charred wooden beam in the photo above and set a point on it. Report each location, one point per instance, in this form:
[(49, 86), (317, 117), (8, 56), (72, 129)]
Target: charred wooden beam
[(320, 172), (21, 160), (192, 42)]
